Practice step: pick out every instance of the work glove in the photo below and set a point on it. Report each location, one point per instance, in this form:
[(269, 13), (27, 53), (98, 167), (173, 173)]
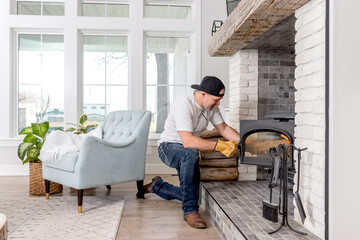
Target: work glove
[(228, 148)]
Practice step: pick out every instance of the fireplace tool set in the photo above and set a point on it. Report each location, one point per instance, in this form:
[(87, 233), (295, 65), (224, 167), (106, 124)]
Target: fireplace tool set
[(280, 167)]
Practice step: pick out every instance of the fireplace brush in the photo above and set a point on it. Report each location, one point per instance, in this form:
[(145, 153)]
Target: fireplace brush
[(270, 209)]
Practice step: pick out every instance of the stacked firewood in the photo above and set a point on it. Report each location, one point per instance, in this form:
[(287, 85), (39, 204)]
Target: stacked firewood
[(214, 166)]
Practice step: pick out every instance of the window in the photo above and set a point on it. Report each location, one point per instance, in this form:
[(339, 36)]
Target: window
[(40, 79), (40, 8), (167, 75), (105, 76), (96, 9), (167, 11)]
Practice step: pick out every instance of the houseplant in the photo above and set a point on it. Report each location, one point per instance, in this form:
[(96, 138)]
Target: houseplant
[(81, 128), (29, 152)]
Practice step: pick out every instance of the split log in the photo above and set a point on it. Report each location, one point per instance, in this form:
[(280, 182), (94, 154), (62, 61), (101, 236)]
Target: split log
[(225, 162), (218, 174)]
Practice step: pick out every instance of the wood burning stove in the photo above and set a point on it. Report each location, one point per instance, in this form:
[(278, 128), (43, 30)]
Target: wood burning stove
[(257, 136)]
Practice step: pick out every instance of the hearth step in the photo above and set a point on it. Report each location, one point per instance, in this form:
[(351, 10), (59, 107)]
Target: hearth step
[(235, 210)]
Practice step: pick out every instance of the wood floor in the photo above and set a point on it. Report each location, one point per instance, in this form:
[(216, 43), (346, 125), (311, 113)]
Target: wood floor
[(152, 218)]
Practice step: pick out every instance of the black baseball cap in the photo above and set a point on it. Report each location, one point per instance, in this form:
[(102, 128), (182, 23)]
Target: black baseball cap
[(211, 85)]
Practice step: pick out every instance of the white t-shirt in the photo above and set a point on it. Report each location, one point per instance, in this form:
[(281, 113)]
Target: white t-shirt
[(187, 115)]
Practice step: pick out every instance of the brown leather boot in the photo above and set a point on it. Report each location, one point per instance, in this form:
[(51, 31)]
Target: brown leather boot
[(194, 220), (147, 187)]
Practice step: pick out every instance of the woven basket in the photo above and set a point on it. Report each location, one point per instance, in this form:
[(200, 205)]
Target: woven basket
[(37, 183)]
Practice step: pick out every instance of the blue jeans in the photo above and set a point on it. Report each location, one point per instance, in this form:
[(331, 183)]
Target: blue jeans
[(186, 162)]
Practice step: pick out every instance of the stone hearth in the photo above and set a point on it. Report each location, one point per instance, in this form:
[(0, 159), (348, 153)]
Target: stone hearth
[(235, 209)]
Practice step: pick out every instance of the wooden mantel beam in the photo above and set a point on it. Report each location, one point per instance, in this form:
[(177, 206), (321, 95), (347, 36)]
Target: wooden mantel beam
[(249, 20)]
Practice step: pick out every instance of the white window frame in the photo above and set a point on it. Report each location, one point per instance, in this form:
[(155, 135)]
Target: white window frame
[(103, 33), (135, 27), (14, 7), (15, 87)]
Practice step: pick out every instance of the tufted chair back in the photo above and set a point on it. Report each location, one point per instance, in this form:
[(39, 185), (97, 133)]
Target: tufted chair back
[(120, 125)]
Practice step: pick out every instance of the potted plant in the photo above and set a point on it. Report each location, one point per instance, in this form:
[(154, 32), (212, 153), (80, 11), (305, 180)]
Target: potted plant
[(29, 152), (81, 128)]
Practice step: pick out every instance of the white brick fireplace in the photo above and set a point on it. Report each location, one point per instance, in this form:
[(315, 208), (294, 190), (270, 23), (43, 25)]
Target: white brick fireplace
[(309, 98)]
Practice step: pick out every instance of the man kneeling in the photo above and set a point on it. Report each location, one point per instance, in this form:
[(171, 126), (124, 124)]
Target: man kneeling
[(180, 143)]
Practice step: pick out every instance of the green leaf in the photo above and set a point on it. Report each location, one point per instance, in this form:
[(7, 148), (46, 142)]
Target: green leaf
[(40, 129), (39, 145), (31, 160), (33, 152), (27, 130), (22, 149), (30, 138), (70, 130), (82, 119)]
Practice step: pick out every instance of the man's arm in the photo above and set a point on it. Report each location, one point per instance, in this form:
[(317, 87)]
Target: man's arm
[(190, 141), (227, 132)]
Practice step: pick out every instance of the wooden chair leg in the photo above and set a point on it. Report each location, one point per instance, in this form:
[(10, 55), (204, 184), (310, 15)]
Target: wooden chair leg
[(80, 194), (140, 193), (108, 187), (47, 189)]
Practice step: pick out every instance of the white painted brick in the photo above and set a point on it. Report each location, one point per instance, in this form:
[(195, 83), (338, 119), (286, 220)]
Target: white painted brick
[(244, 98), (244, 83), (319, 106), (253, 112), (250, 91), (303, 82), (243, 111), (249, 105), (302, 10), (313, 67), (298, 72), (309, 119), (319, 133), (253, 54), (301, 107), (317, 174), (317, 187), (303, 57), (314, 13), (318, 79), (244, 54), (253, 83), (253, 98), (314, 40), (244, 69), (252, 68), (310, 94), (249, 76)]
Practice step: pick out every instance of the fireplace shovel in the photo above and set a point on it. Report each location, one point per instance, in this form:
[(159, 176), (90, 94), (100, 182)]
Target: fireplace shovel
[(297, 195), (270, 209)]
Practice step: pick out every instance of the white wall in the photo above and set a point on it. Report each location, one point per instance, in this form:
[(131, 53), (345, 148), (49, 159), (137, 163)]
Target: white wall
[(344, 120), (213, 66)]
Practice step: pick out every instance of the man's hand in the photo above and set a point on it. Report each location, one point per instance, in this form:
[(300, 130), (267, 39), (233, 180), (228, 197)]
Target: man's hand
[(228, 148)]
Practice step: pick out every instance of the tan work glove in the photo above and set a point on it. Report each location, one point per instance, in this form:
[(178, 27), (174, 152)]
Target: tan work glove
[(228, 148)]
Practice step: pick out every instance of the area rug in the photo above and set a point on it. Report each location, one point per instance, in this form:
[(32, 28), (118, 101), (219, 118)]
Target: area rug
[(57, 218)]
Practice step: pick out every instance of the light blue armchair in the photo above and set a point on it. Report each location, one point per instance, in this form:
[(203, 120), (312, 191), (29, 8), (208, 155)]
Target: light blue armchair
[(118, 157)]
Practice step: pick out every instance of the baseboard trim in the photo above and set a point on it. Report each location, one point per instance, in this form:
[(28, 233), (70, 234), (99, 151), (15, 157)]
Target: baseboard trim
[(17, 170), (159, 169)]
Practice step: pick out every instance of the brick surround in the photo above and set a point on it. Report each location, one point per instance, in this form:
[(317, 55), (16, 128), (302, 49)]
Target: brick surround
[(310, 109), (263, 80)]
